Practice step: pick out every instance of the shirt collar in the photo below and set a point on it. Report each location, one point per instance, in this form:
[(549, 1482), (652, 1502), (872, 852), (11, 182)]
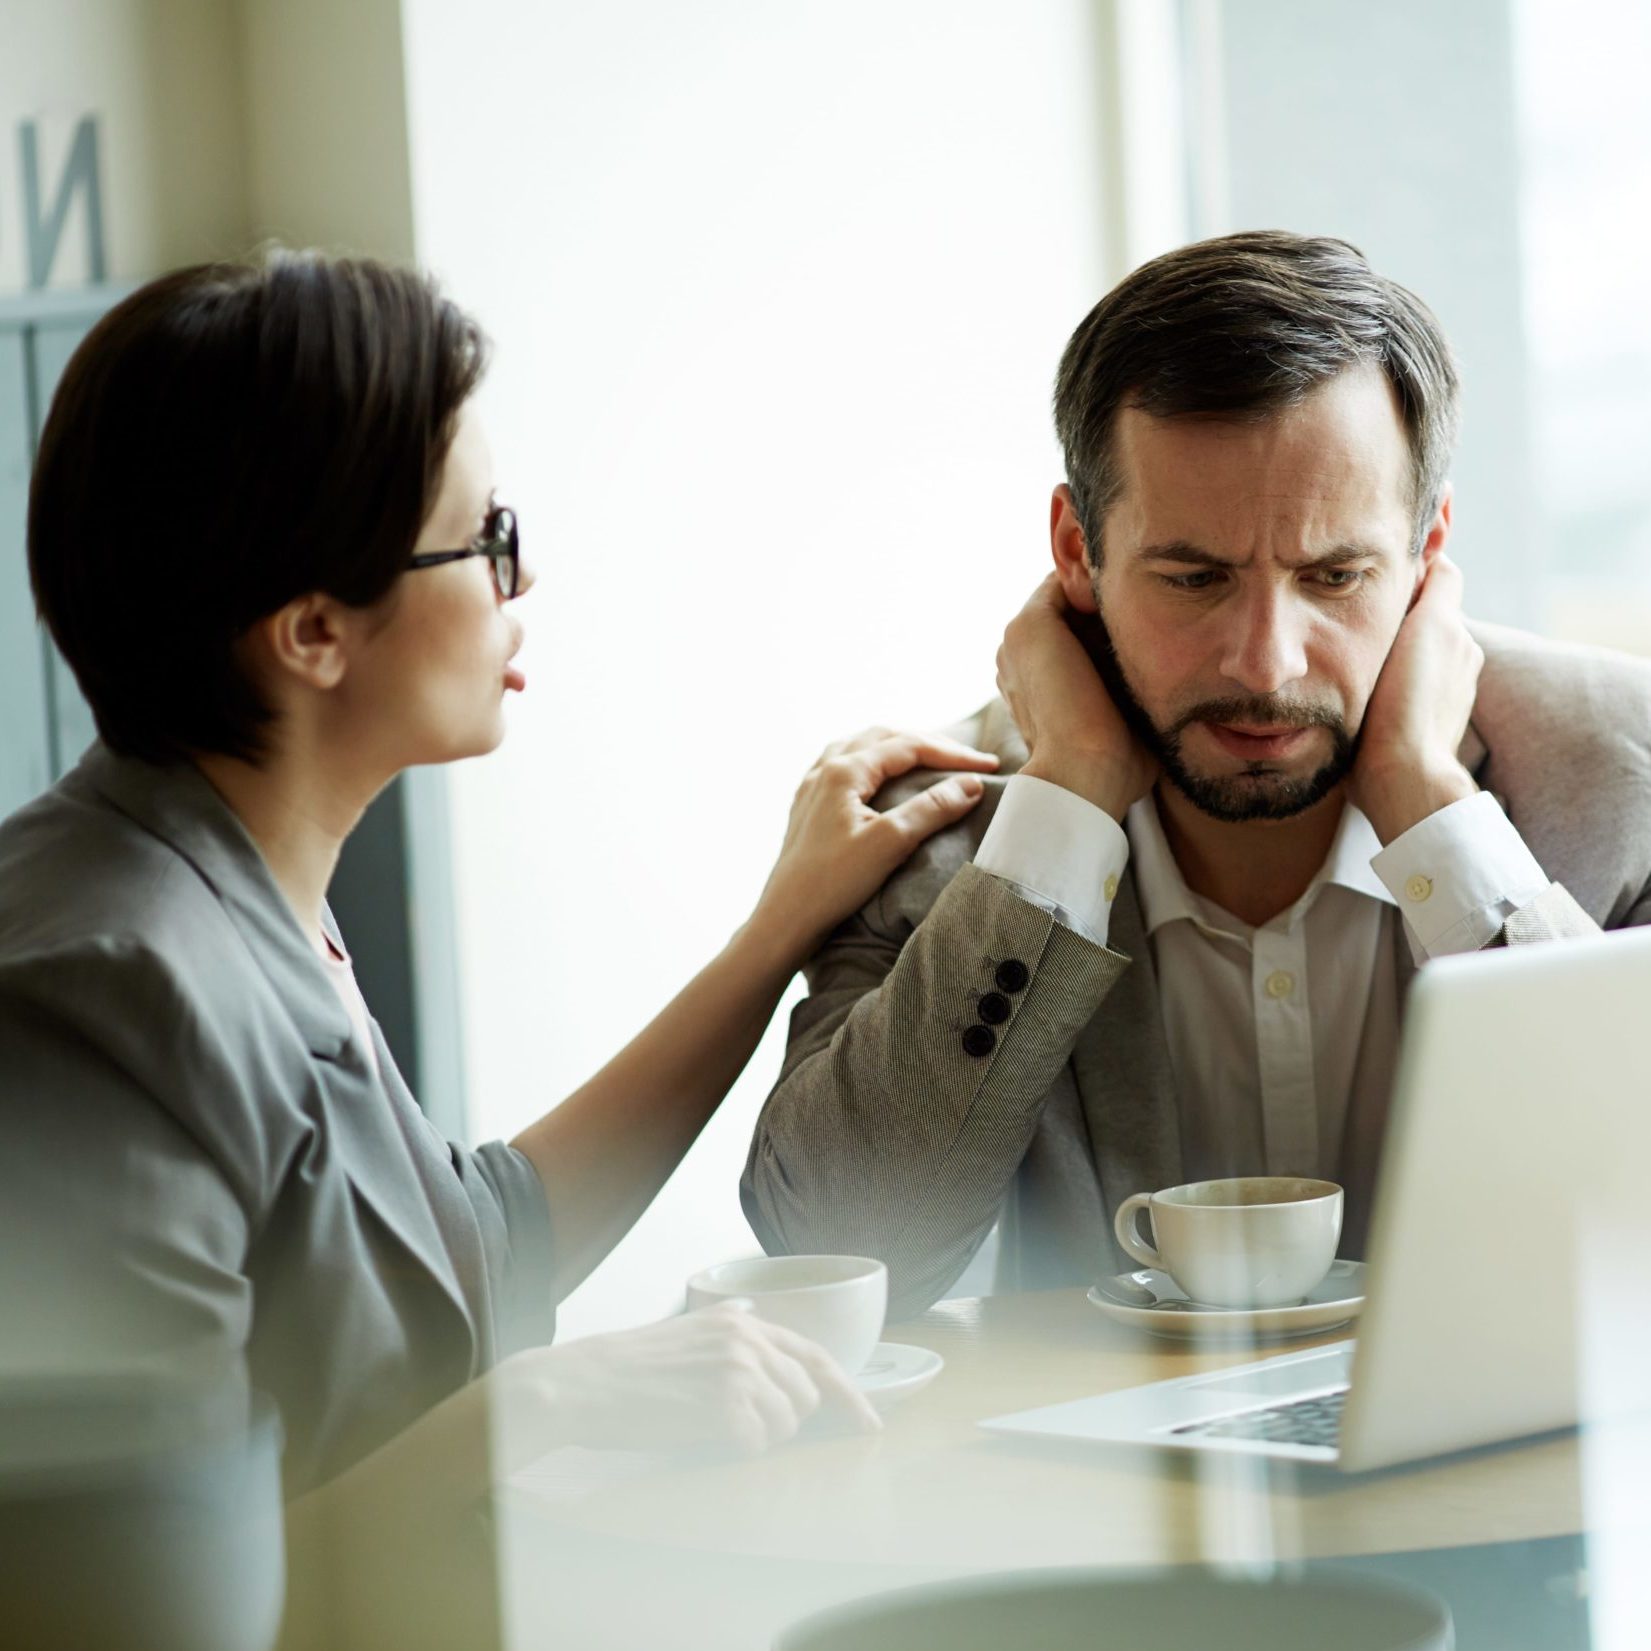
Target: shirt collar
[(1164, 893)]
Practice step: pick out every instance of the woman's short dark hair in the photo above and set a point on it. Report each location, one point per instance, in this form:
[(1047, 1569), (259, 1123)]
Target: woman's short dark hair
[(1239, 327), (228, 438)]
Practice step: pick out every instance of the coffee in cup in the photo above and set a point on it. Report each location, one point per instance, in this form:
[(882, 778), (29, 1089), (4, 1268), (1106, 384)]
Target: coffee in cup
[(1254, 1241), (839, 1301)]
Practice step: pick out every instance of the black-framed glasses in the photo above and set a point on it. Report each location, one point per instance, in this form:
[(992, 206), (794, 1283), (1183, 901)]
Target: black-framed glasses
[(499, 543)]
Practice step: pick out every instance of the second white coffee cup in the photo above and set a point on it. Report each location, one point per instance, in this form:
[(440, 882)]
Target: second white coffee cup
[(839, 1301), (1256, 1241)]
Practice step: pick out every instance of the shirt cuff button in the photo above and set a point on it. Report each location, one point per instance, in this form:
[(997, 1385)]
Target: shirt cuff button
[(1418, 888), (1110, 887)]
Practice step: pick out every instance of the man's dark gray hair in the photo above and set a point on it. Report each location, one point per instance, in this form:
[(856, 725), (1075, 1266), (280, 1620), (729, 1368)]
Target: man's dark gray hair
[(1238, 328)]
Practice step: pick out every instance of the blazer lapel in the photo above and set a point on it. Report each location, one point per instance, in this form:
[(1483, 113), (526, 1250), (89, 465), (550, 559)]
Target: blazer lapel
[(445, 1218), (1122, 1069), (388, 1166), (373, 1145)]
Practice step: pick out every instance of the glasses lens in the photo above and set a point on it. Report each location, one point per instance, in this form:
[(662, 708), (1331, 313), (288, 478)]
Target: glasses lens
[(507, 556)]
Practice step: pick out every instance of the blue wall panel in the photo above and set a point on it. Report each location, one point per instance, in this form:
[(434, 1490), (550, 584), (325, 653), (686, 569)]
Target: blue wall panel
[(25, 751)]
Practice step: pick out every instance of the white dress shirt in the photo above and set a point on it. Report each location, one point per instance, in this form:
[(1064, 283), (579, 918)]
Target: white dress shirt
[(1268, 1028)]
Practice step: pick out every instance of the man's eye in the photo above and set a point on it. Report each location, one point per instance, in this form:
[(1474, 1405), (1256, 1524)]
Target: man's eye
[(1201, 580), (1341, 578)]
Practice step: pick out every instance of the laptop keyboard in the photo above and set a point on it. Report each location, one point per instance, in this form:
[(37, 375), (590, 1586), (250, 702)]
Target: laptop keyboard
[(1314, 1421)]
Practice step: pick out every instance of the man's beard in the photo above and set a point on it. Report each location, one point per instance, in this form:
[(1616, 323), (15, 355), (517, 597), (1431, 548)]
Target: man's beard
[(1257, 793)]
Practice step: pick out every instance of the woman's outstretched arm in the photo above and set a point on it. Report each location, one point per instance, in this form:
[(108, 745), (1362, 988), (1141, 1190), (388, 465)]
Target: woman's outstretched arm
[(605, 1152)]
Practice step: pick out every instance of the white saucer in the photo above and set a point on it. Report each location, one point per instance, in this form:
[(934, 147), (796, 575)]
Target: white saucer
[(895, 1371), (1336, 1298)]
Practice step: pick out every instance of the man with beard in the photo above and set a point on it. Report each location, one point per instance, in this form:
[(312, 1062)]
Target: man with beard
[(1262, 770)]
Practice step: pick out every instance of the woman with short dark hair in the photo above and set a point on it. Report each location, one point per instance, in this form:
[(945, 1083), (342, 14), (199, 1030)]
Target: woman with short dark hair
[(263, 532)]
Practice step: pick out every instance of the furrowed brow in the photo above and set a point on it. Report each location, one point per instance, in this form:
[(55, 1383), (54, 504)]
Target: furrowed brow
[(1178, 550), (1186, 555), (1339, 556)]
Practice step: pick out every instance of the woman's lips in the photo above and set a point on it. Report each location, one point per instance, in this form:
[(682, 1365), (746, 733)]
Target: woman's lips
[(1257, 744), (513, 679)]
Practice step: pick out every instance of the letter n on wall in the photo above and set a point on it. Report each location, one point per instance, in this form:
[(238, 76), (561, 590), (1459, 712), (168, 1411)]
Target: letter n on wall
[(43, 227)]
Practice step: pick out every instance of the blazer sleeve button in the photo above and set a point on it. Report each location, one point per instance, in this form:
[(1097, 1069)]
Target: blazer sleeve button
[(1012, 975), (994, 1008), (979, 1041)]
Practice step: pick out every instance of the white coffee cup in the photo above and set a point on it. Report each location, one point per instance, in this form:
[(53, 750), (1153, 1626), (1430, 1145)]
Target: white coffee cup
[(1257, 1241), (839, 1301)]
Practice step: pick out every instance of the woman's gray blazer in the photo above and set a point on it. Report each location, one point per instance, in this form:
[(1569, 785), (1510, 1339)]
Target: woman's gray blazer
[(198, 1168)]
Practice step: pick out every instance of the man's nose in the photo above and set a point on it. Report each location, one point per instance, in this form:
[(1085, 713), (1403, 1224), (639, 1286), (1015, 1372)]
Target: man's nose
[(1266, 648)]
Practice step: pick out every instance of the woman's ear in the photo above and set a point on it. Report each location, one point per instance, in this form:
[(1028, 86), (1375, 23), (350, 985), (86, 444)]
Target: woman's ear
[(1071, 551), (304, 641)]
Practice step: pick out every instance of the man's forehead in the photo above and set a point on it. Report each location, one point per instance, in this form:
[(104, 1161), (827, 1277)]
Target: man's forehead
[(1336, 463)]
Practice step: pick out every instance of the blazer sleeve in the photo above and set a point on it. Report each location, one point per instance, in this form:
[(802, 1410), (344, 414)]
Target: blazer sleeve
[(907, 1100), (122, 1240), (1556, 915), (1552, 915), (514, 1222)]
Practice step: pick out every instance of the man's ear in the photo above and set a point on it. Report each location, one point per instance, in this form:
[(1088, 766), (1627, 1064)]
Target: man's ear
[(1438, 531), (305, 641), (1071, 549)]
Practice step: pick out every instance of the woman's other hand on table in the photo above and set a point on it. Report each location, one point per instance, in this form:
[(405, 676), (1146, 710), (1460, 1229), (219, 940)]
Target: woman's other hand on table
[(716, 1377)]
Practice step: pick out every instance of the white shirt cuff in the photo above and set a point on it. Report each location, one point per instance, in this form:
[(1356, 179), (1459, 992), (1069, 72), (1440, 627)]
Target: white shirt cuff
[(1061, 852), (1459, 875)]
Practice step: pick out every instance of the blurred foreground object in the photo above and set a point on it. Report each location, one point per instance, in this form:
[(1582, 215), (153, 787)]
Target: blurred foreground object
[(138, 1514), (1084, 1610)]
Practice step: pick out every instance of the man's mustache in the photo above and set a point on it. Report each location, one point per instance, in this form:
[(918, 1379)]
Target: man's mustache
[(1270, 711)]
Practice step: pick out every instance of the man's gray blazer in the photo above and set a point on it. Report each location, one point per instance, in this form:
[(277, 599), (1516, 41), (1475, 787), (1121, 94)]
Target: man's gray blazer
[(199, 1170), (885, 1136)]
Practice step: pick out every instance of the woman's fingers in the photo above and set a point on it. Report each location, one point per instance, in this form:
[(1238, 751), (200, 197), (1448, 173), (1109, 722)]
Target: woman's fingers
[(922, 746), (955, 752), (832, 1383), (792, 1379), (867, 768), (942, 804), (777, 1419), (931, 751)]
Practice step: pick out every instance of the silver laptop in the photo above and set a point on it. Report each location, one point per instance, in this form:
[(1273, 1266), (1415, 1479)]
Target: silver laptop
[(1517, 1163)]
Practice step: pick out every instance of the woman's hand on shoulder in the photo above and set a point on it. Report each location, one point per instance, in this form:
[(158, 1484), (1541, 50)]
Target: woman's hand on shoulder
[(839, 850), (716, 1377)]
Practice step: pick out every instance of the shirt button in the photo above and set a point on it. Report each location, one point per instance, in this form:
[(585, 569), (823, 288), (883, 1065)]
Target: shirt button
[(1110, 887), (1012, 975), (1418, 887), (1280, 983), (979, 1040)]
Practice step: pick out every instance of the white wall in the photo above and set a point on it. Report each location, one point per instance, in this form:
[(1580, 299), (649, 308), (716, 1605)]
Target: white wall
[(1586, 154), (1396, 127), (164, 79), (221, 122), (778, 293), (326, 125)]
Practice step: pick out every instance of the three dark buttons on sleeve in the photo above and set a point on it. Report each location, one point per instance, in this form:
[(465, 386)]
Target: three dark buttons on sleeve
[(980, 1040)]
